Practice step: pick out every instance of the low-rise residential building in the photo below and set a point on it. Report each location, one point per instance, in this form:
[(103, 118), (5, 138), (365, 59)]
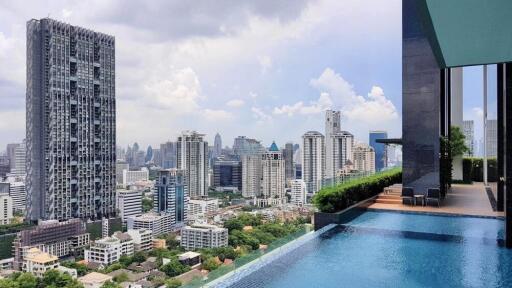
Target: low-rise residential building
[(15, 187), (70, 271), (6, 263), (142, 239), (203, 236), (190, 258), (158, 223), (297, 192), (38, 262), (129, 203), (94, 280), (197, 207), (6, 210), (109, 249)]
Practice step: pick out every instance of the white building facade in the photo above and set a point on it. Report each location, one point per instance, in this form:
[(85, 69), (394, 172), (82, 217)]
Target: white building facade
[(192, 157), (203, 236), (364, 158), (129, 203), (313, 161), (273, 178), (298, 192)]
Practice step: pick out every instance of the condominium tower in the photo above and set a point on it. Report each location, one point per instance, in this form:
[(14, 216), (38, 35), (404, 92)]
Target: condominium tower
[(469, 134), (71, 122), (364, 158), (273, 178), (192, 157), (171, 195), (381, 157), (332, 126), (313, 160)]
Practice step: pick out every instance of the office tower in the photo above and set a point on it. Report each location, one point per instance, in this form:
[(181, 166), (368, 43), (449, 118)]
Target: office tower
[(273, 178), (10, 151), (18, 193), (227, 175), (492, 138), (381, 158), (244, 146), (172, 195), (18, 169), (5, 166), (120, 167), (364, 158), (149, 154), (313, 160), (129, 203), (139, 160), (298, 192), (157, 158), (120, 154), (6, 209), (469, 134), (71, 122), (332, 127), (217, 146), (289, 164), (168, 155), (251, 175), (192, 157)]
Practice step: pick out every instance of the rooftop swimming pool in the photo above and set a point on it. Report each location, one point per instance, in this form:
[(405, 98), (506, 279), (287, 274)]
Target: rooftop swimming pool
[(388, 249)]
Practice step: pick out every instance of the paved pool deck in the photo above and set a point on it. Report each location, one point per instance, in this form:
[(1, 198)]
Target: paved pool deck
[(470, 200)]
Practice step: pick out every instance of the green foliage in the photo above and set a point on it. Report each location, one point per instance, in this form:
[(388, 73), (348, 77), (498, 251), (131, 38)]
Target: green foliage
[(56, 279), (172, 283), (210, 264), (8, 283), (238, 238), (221, 252), (26, 280), (110, 284), (125, 260), (337, 198), (51, 279), (81, 269), (139, 257), (473, 169), (113, 267), (174, 268), (457, 142), (121, 278), (170, 240), (147, 204)]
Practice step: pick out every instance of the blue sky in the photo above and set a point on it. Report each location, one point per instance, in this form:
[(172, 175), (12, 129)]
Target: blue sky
[(264, 69)]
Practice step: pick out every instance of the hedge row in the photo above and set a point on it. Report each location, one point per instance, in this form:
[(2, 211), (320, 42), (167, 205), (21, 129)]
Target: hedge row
[(472, 170), (337, 198)]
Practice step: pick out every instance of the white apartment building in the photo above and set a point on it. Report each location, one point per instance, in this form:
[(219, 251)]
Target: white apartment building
[(192, 157), (298, 192), (142, 239), (251, 175), (203, 236), (341, 145), (6, 210), (492, 138), (364, 158), (120, 167), (273, 178), (109, 249), (129, 203), (132, 177), (158, 223), (20, 155), (313, 161), (38, 262), (15, 187), (332, 127), (197, 207)]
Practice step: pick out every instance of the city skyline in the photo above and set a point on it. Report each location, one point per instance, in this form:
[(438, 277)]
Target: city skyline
[(235, 67)]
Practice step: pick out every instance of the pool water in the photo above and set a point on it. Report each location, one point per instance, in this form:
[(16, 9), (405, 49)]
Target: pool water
[(386, 249)]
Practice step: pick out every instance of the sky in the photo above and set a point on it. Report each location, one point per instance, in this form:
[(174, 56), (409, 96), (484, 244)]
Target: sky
[(266, 69)]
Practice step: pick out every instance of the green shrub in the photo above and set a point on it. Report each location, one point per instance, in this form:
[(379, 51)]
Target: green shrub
[(473, 168), (337, 198)]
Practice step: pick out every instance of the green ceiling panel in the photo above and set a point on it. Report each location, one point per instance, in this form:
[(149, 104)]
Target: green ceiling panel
[(470, 32)]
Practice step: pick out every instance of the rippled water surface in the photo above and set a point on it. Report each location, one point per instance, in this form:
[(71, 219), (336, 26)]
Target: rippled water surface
[(381, 249)]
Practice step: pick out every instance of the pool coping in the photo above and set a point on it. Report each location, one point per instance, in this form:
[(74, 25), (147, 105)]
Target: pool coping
[(432, 213), (236, 275)]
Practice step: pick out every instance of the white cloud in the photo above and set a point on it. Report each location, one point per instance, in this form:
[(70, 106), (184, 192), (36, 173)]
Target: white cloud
[(235, 103), (217, 115), (260, 115), (323, 103), (66, 13)]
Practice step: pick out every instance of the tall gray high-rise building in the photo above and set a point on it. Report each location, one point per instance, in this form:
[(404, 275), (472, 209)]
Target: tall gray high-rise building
[(492, 138), (289, 165), (332, 127), (11, 152), (469, 133), (247, 146), (313, 160), (171, 195), (71, 122), (217, 146), (192, 156)]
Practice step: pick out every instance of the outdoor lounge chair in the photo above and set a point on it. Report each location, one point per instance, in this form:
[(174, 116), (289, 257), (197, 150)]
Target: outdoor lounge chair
[(433, 194), (408, 193)]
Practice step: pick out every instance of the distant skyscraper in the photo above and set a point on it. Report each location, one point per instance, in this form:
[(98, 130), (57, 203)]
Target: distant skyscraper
[(492, 138), (227, 174), (172, 195), (71, 122), (364, 158), (11, 147), (288, 162), (193, 159), (149, 154), (19, 161), (251, 175), (4, 166), (341, 144), (313, 160), (217, 146), (273, 178), (381, 159), (245, 146), (332, 127), (168, 155), (469, 133)]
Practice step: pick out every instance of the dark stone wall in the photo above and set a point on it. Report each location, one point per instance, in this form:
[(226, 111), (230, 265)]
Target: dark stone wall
[(421, 88)]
